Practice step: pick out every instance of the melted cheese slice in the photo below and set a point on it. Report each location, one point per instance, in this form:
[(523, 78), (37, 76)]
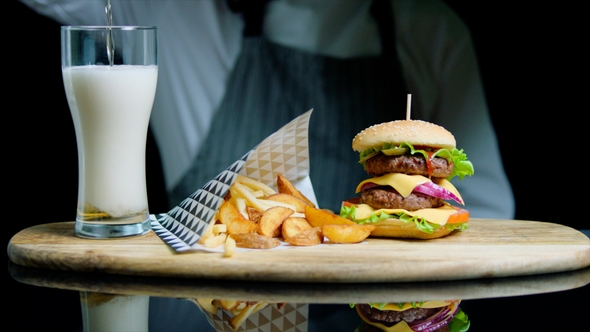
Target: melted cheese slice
[(399, 327), (436, 216), (405, 184), (408, 305)]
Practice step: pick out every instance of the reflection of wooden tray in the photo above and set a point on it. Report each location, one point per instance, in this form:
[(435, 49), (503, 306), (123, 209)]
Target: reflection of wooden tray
[(303, 292), (489, 248)]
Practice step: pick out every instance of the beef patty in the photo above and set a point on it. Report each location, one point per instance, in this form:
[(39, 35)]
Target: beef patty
[(408, 164), (390, 317), (388, 198)]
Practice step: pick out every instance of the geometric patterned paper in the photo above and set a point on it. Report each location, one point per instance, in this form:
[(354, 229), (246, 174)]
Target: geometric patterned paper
[(292, 317), (182, 226), (285, 152)]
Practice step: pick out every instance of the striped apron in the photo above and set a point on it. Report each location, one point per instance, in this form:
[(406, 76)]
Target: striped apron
[(272, 84)]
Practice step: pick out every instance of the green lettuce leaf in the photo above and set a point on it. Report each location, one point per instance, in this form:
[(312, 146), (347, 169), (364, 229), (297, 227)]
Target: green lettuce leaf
[(462, 165), (349, 212), (459, 323), (381, 305)]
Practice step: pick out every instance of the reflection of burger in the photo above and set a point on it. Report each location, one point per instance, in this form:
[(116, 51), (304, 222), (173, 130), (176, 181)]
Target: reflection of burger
[(416, 316), (411, 163)]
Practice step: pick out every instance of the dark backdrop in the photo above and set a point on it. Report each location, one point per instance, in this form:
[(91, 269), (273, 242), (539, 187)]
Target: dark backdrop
[(531, 63), (532, 73)]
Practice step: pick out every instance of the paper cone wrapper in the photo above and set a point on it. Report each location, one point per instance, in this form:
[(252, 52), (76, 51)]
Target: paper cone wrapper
[(284, 152), (290, 318)]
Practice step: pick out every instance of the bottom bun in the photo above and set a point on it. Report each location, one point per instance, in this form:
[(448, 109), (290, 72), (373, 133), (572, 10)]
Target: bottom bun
[(395, 228)]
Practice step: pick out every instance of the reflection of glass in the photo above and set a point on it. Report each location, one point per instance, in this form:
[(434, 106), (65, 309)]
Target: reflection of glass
[(106, 312), (110, 103)]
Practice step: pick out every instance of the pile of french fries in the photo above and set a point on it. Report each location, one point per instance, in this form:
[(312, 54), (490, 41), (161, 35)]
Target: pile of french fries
[(256, 216), (239, 310)]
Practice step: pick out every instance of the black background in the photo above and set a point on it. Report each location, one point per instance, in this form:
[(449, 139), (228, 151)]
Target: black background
[(530, 60), (531, 63)]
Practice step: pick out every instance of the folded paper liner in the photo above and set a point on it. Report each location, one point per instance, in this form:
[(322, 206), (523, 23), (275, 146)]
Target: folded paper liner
[(292, 317), (283, 152)]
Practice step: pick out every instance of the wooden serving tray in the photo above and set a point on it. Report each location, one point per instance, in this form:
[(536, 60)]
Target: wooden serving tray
[(488, 249)]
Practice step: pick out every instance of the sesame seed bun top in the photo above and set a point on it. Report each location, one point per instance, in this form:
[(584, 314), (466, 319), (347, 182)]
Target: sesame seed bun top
[(415, 132)]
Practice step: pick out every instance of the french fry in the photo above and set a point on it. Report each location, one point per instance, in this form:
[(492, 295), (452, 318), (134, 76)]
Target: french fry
[(272, 219), (215, 241), (270, 203), (229, 248), (236, 321), (241, 305), (318, 217), (236, 223), (240, 204), (244, 192), (207, 233), (340, 233), (255, 241), (285, 186), (293, 226), (219, 228), (256, 185), (298, 204), (258, 194), (310, 237), (229, 305), (214, 235)]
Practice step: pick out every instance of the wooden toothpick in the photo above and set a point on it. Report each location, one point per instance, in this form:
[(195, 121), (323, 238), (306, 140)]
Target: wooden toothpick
[(409, 107)]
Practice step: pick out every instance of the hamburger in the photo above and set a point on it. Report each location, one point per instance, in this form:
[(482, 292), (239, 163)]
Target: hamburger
[(429, 316), (409, 194)]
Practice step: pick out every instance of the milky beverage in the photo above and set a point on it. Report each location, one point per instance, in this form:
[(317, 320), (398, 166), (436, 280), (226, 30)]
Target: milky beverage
[(111, 107), (105, 312)]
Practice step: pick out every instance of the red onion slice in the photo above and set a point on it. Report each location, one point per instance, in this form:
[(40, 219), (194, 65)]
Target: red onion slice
[(436, 321), (428, 188), (432, 189), (369, 185)]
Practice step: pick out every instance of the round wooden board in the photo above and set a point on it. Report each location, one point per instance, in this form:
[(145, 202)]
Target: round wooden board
[(488, 249)]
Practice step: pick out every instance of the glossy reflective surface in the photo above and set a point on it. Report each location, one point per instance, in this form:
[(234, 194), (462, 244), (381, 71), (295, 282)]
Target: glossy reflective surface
[(545, 302)]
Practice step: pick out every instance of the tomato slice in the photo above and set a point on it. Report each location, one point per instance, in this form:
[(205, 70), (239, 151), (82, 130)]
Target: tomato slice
[(351, 202), (459, 217)]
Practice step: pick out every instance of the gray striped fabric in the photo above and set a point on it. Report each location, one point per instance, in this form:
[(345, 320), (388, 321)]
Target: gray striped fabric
[(272, 84)]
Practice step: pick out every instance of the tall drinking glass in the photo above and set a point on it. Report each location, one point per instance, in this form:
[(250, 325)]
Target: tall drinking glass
[(109, 75), (109, 312)]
